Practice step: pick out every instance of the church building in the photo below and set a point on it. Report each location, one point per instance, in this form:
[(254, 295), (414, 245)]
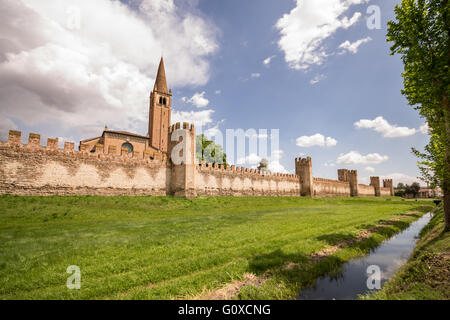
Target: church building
[(156, 140)]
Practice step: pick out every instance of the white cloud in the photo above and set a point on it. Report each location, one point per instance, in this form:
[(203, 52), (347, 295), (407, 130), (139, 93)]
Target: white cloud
[(425, 129), (370, 169), (253, 158), (317, 79), (256, 75), (268, 60), (198, 118), (354, 157), (218, 92), (330, 142), (211, 132), (385, 128), (347, 46), (97, 74), (316, 140), (401, 177), (198, 100), (274, 162), (305, 28)]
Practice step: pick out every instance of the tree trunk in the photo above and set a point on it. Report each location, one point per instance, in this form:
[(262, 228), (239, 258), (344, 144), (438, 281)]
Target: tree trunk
[(447, 209), (446, 184)]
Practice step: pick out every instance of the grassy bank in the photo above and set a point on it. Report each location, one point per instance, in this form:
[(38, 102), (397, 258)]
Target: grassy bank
[(167, 248), (427, 273)]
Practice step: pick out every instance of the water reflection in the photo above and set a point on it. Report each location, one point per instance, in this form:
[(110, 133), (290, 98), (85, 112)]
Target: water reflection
[(351, 279)]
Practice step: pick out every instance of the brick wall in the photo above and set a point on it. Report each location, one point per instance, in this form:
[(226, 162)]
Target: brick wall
[(33, 169)]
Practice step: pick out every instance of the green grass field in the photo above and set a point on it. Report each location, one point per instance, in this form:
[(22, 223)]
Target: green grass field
[(167, 248)]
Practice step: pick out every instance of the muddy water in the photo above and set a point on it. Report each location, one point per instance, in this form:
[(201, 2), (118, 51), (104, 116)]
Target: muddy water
[(353, 276)]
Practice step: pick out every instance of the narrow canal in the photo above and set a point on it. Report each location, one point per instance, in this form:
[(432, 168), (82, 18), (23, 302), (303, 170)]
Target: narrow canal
[(352, 279)]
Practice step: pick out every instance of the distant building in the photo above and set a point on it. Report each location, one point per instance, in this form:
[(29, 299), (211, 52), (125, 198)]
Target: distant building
[(427, 192)]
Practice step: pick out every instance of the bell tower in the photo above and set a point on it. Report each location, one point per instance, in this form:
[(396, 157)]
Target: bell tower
[(160, 108)]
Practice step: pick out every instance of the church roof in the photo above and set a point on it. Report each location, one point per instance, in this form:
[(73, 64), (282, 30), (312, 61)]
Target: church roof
[(161, 82), (126, 133)]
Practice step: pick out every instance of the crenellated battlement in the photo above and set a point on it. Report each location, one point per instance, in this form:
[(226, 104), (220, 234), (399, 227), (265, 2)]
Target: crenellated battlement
[(329, 181), (375, 181), (303, 161), (57, 169), (34, 145), (185, 126), (387, 183), (241, 171)]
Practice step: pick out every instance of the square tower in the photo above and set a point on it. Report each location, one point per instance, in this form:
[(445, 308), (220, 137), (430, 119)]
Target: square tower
[(160, 109)]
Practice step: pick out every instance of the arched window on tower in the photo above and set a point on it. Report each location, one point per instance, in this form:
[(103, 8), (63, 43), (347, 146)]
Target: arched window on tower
[(164, 101), (160, 100), (128, 146)]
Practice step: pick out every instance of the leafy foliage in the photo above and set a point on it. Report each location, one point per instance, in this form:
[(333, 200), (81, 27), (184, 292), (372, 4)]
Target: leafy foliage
[(405, 190), (208, 151), (420, 35)]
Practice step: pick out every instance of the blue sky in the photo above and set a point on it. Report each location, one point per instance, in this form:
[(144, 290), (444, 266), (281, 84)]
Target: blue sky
[(214, 54)]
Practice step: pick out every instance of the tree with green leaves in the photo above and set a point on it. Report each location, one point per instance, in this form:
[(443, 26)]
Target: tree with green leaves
[(413, 189), (208, 151), (420, 34)]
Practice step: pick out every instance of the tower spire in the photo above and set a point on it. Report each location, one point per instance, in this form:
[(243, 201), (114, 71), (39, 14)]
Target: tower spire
[(161, 82)]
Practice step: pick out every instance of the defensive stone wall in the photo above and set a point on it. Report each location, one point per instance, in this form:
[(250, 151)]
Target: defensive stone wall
[(33, 169), (216, 180), (366, 191), (329, 188)]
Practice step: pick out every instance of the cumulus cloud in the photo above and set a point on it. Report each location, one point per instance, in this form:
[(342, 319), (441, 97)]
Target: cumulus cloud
[(256, 75), (63, 63), (198, 100), (355, 158), (304, 29), (382, 126), (369, 169), (400, 177), (252, 158), (316, 140), (198, 118), (348, 46), (274, 161)]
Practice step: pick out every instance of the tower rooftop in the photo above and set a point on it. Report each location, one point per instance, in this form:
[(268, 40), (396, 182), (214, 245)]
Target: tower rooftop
[(161, 82)]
